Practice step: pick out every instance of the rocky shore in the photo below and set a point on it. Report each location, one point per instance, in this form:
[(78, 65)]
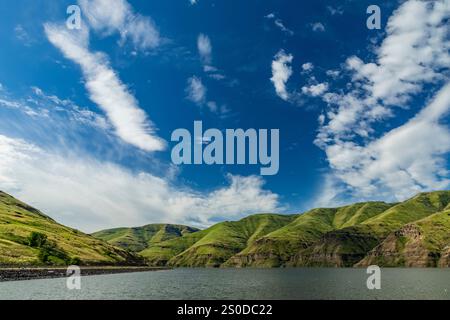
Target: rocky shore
[(18, 274)]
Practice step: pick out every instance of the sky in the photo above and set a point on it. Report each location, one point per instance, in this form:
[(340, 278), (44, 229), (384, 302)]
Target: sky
[(87, 114)]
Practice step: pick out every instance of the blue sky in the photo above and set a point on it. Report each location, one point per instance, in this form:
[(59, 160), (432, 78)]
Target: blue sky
[(86, 115)]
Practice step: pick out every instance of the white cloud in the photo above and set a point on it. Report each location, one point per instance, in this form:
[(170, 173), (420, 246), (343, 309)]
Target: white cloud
[(283, 28), (105, 88), (64, 112), (212, 105), (316, 89), (91, 195), (318, 27), (414, 156), (307, 66), (217, 76), (279, 24), (330, 195), (111, 16), (406, 160), (281, 72), (204, 48), (9, 104), (196, 91), (335, 10), (333, 73), (208, 68), (414, 52), (193, 2)]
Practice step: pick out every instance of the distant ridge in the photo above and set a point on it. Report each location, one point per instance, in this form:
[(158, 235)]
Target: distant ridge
[(413, 233)]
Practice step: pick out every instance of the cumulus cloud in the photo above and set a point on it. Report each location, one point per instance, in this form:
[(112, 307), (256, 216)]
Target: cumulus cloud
[(105, 88), (412, 157), (406, 160), (111, 16), (414, 53), (307, 67), (281, 72), (196, 90), (57, 184), (315, 90)]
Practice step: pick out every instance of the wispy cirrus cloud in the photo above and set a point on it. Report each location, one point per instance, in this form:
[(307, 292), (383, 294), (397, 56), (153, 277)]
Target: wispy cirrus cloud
[(22, 35), (131, 123), (279, 24), (204, 48), (196, 90), (117, 16)]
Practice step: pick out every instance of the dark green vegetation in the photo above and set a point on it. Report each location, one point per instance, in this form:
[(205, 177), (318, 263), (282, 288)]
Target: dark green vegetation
[(28, 237), (415, 233)]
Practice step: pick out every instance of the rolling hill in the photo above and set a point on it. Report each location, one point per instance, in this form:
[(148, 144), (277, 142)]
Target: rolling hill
[(210, 247), (29, 237), (415, 232), (141, 238)]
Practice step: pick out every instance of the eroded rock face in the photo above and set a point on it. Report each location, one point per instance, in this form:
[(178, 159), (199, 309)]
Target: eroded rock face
[(404, 247), (444, 262), (341, 248), (266, 260), (267, 253)]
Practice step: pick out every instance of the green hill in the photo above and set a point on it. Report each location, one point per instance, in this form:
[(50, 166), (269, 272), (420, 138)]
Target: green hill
[(334, 237), (141, 238), (186, 246), (222, 241), (28, 237), (423, 243), (413, 233), (282, 246)]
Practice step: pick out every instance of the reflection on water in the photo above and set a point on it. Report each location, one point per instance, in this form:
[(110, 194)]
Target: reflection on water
[(313, 283)]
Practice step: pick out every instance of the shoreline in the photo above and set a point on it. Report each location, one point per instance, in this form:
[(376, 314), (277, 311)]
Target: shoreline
[(36, 273)]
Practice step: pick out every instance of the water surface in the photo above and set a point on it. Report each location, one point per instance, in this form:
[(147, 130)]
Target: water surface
[(311, 283)]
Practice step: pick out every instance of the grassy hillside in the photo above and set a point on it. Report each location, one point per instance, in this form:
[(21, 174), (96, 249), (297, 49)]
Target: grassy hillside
[(283, 246), (28, 237), (423, 243), (141, 238), (415, 232), (222, 241), (215, 245), (346, 246), (337, 237)]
